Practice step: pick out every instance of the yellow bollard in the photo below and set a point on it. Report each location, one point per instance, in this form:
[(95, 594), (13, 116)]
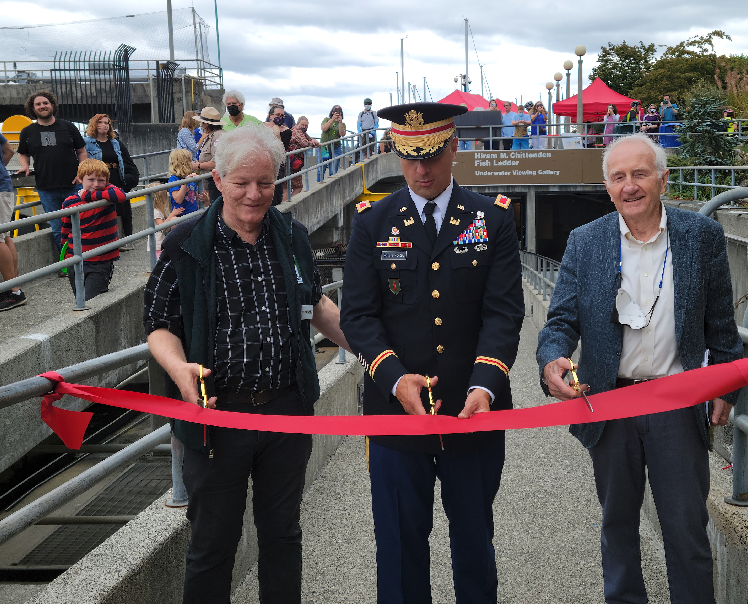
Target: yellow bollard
[(25, 195)]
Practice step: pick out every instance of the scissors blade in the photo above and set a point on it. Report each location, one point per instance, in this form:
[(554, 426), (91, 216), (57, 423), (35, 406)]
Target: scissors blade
[(586, 400)]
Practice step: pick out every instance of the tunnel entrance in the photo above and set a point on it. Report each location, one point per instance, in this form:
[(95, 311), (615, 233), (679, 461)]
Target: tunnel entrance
[(557, 214)]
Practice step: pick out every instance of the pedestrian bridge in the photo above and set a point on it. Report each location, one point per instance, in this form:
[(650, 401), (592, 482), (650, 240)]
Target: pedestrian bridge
[(547, 515)]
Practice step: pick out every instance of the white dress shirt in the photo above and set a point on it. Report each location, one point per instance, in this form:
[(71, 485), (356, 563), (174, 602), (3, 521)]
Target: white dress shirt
[(441, 201), (652, 351)]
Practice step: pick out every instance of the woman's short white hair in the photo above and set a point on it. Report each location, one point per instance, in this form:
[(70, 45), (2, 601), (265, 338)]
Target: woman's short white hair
[(233, 94), (660, 156), (247, 144)]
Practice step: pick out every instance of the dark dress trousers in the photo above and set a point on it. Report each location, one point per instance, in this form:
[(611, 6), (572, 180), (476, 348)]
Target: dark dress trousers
[(453, 310)]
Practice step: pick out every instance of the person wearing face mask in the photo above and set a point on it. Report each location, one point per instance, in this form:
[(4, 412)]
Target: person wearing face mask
[(288, 119), (276, 122), (300, 140), (235, 116), (333, 128), (366, 124), (651, 123)]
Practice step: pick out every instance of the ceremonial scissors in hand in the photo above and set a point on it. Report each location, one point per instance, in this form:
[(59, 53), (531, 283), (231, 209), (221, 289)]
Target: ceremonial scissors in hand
[(574, 383)]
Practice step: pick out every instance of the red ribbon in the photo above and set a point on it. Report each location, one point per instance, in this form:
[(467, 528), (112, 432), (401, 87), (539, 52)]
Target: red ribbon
[(665, 394)]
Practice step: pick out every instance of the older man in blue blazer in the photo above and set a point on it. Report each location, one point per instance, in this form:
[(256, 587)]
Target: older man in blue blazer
[(647, 291)]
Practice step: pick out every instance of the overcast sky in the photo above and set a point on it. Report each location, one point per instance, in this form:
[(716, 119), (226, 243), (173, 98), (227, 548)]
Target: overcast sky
[(315, 54)]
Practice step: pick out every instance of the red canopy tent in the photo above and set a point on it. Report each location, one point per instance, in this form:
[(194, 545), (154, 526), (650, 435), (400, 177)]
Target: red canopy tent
[(471, 100), (595, 100)]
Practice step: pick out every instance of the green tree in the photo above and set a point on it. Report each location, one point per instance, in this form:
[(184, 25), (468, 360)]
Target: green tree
[(679, 69), (732, 76), (703, 122), (620, 66)]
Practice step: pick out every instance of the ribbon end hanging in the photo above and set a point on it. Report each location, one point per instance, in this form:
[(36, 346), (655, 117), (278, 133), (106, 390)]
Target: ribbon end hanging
[(70, 426)]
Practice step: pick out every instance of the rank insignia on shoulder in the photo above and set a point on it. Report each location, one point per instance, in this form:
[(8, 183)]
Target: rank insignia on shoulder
[(409, 221), (363, 205), (502, 201)]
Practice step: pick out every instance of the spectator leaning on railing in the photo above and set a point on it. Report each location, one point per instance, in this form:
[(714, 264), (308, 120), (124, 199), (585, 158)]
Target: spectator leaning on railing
[(507, 132), (102, 143), (98, 226), (520, 122), (8, 254), (57, 148), (300, 140)]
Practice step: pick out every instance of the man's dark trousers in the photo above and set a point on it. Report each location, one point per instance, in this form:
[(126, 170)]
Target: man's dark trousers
[(670, 446), (402, 486), (217, 490)]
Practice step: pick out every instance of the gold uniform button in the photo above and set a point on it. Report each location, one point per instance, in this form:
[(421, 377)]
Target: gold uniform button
[(475, 263), (393, 266), (438, 321), (440, 349), (435, 266), (435, 293)]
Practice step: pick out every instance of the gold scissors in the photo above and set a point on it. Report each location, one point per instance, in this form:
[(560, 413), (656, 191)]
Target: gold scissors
[(204, 402), (575, 384), (431, 396)]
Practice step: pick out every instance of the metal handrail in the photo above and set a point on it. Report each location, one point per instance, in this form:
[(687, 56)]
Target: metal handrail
[(23, 390), (541, 272)]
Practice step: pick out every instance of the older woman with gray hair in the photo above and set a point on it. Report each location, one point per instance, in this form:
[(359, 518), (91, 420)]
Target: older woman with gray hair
[(235, 117), (232, 298)]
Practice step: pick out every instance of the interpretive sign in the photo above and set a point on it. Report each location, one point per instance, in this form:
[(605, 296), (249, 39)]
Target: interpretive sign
[(529, 167)]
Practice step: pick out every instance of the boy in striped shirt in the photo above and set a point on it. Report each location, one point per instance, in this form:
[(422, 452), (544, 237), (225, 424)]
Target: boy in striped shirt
[(98, 226)]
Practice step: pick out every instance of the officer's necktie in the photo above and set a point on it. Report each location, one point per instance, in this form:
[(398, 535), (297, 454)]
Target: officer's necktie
[(430, 222)]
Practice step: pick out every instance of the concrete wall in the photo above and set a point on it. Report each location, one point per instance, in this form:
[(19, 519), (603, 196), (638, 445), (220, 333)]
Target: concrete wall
[(148, 138), (325, 201), (144, 561), (62, 339)]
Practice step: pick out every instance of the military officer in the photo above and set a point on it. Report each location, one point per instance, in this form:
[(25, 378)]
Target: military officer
[(433, 297)]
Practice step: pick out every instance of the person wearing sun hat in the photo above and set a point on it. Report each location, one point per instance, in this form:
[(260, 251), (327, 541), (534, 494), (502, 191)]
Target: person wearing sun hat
[(212, 127), (432, 306)]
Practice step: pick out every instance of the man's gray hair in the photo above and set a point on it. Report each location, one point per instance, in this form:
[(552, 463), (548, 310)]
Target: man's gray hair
[(233, 94), (660, 156), (246, 144)]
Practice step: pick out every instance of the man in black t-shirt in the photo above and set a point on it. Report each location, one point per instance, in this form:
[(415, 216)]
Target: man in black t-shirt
[(57, 148)]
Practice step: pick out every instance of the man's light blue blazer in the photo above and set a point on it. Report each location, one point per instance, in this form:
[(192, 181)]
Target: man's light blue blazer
[(584, 299)]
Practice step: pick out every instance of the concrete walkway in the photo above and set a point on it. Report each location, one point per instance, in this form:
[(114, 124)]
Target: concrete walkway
[(547, 521)]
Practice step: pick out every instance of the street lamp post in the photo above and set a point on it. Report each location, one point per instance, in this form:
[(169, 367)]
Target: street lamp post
[(464, 81), (580, 51), (549, 87), (567, 66), (558, 77)]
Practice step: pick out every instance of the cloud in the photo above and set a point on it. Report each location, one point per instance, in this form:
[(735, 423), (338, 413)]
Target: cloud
[(313, 54)]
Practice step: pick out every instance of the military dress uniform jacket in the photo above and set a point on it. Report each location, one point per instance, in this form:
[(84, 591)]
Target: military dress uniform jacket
[(454, 311)]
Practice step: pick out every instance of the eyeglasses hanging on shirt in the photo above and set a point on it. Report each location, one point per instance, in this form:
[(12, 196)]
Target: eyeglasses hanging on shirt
[(627, 311)]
